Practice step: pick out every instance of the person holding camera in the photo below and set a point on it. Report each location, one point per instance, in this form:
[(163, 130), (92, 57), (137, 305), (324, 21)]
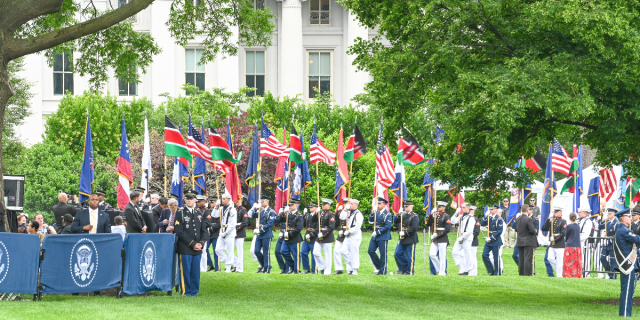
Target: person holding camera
[(63, 207)]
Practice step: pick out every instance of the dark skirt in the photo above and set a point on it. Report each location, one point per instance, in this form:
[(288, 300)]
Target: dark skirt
[(572, 262)]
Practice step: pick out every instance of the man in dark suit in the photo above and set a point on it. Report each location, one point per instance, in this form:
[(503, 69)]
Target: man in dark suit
[(167, 216), (135, 221), (157, 210), (62, 208), (526, 242), (92, 219)]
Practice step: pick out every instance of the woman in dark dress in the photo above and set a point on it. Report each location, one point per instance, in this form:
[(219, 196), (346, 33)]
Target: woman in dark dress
[(573, 251)]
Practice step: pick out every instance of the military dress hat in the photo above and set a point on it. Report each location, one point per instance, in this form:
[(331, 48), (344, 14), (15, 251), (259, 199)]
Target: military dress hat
[(173, 196), (442, 204), (201, 197), (636, 210), (139, 189), (612, 210), (155, 195), (466, 204), (408, 203), (556, 209), (294, 201), (626, 212), (312, 204), (584, 210), (264, 197), (473, 207), (494, 207), (101, 193), (356, 201), (383, 200), (190, 194), (213, 198), (326, 201), (226, 195)]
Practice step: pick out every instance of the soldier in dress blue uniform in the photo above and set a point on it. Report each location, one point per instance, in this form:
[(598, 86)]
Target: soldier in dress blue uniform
[(311, 226), (266, 217), (494, 241), (103, 206), (281, 219), (293, 237), (607, 257), (624, 247), (381, 220), (408, 225), (191, 230)]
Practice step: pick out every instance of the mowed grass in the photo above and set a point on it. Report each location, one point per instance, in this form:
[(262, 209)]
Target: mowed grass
[(273, 296)]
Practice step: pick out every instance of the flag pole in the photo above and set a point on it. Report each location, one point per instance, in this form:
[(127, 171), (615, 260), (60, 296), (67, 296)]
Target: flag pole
[(401, 197), (260, 175)]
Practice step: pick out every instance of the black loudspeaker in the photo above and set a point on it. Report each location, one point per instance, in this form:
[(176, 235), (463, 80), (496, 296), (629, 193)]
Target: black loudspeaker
[(14, 192)]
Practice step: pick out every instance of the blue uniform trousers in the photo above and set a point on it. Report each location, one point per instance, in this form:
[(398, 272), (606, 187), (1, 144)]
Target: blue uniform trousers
[(406, 257), (190, 274), (606, 258), (516, 254), (380, 263), (291, 254), (307, 248), (495, 271), (547, 264), (216, 260), (264, 257), (279, 258), (627, 287)]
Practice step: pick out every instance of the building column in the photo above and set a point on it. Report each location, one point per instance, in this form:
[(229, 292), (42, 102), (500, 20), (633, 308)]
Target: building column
[(229, 70), (355, 79), (292, 53)]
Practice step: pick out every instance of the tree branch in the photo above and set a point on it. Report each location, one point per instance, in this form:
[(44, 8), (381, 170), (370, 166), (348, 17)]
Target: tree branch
[(15, 48), (16, 13)]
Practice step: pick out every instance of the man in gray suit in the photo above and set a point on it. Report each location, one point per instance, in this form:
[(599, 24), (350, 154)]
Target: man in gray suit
[(526, 242), (135, 221)]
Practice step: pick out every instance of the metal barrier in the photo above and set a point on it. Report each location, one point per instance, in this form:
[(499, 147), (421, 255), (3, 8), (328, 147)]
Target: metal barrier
[(592, 255)]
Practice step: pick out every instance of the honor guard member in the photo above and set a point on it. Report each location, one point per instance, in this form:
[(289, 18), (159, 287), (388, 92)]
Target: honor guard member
[(408, 223), (472, 259), (557, 239), (191, 230), (266, 217), (103, 206), (381, 220), (292, 238), (586, 229), (325, 238), (440, 238), (607, 255), (311, 227), (213, 218), (337, 257), (350, 250), (625, 249), (462, 248), (493, 241), (227, 237), (635, 220), (281, 223), (241, 232)]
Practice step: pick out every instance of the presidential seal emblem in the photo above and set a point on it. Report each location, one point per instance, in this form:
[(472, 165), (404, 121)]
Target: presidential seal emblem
[(83, 262), (148, 264), (4, 261)]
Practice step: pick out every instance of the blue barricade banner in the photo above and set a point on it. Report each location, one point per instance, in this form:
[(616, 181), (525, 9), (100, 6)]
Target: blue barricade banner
[(19, 257), (81, 263), (148, 263)]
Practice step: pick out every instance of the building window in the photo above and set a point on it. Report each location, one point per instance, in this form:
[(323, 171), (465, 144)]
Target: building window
[(62, 74), (319, 12), (255, 72), (259, 4), (319, 72), (133, 18), (194, 72)]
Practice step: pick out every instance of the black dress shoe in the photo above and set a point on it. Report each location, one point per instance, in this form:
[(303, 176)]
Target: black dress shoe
[(96, 293), (307, 272), (397, 270), (320, 272), (375, 273), (233, 269), (338, 272), (259, 270), (283, 271), (209, 268), (289, 272), (350, 272)]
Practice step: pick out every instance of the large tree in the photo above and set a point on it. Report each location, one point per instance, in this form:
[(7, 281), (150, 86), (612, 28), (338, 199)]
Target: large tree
[(106, 39), (504, 76)]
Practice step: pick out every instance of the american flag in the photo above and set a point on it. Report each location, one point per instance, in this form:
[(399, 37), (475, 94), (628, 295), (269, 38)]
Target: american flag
[(196, 147), (270, 146), (385, 170), (561, 162), (320, 153), (608, 183)]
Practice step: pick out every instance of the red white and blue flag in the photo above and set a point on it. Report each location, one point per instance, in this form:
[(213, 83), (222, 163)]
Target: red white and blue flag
[(282, 177), (320, 153), (560, 161), (270, 146), (125, 176)]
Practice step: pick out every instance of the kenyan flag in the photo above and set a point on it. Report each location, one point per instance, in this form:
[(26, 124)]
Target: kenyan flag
[(571, 181), (174, 145), (219, 148), (295, 147), (409, 151), (356, 146)]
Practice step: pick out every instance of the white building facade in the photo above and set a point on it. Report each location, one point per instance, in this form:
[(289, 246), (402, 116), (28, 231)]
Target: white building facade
[(308, 50)]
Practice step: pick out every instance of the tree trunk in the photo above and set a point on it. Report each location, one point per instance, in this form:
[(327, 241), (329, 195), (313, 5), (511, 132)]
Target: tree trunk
[(6, 92)]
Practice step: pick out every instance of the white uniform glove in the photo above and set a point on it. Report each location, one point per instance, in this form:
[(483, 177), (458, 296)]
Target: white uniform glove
[(307, 236), (256, 206), (340, 207), (286, 209), (343, 215), (223, 235), (304, 211), (280, 212), (256, 231), (433, 236), (218, 202), (346, 233), (402, 233), (281, 234), (375, 234), (286, 234), (340, 233), (488, 239), (457, 211)]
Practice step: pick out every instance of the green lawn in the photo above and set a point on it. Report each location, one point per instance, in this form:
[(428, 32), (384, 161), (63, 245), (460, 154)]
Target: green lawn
[(273, 296)]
